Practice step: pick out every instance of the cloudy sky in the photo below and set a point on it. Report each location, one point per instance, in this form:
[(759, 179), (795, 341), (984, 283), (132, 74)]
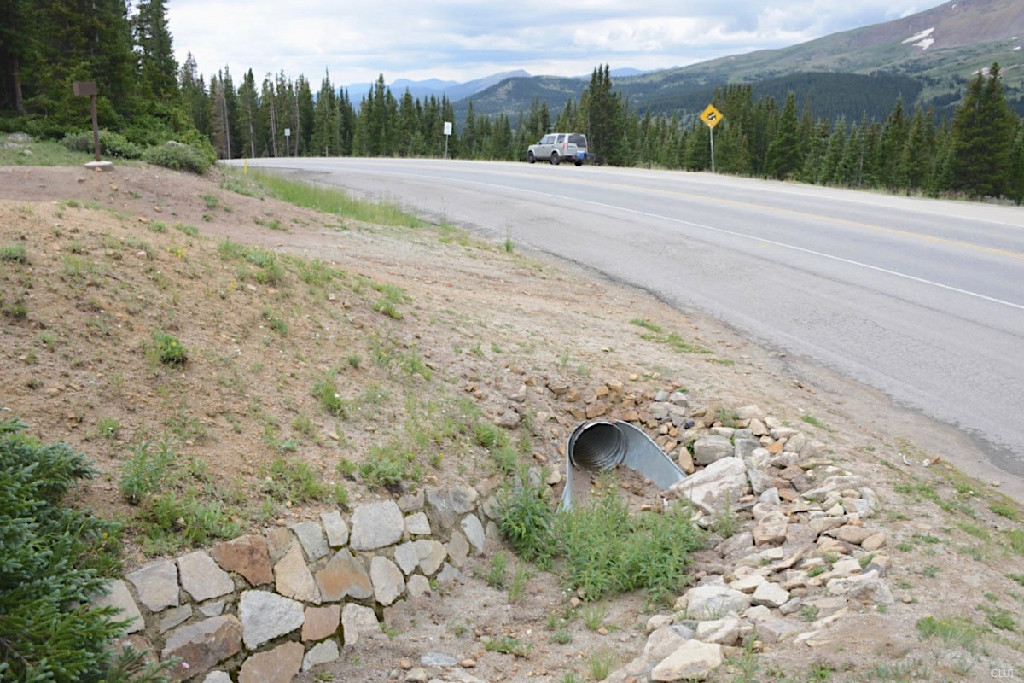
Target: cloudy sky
[(460, 40)]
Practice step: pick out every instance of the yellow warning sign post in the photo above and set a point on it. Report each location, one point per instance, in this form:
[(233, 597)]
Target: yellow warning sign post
[(711, 116)]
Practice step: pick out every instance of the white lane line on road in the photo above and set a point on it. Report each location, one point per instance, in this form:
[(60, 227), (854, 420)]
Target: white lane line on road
[(763, 240)]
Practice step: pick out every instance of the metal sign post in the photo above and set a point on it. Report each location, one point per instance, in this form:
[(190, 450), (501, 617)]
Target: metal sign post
[(287, 134), (447, 134), (711, 116), (88, 89)]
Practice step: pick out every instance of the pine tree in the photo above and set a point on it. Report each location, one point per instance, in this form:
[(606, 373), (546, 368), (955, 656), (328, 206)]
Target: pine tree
[(784, 159), (984, 132), (250, 118), (605, 119), (196, 99), (157, 67)]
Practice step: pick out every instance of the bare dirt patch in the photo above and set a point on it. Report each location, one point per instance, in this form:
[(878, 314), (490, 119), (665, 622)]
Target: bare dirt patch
[(112, 258)]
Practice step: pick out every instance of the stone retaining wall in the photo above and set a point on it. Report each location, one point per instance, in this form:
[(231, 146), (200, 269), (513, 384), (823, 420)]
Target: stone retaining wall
[(263, 607)]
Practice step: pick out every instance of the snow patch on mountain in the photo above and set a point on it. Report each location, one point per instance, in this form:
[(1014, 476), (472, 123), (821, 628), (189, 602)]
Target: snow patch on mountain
[(923, 39)]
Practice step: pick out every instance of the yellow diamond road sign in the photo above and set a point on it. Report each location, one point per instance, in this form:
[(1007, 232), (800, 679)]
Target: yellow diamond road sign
[(711, 116)]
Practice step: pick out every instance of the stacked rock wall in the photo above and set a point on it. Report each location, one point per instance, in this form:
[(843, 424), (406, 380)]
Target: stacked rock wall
[(265, 606)]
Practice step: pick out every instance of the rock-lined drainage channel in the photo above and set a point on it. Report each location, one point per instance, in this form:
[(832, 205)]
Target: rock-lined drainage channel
[(263, 607)]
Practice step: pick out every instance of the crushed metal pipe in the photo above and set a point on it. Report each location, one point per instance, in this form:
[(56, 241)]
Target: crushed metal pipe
[(605, 444)]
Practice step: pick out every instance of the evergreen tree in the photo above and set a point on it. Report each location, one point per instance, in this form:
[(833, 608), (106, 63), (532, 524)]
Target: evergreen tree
[(251, 132), (195, 97), (890, 148), (984, 132), (605, 119), (784, 156), (305, 113), (469, 135), (326, 139), (157, 67), (916, 157), (222, 124)]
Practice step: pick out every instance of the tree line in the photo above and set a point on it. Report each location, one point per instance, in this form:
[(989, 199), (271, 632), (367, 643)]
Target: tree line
[(145, 96)]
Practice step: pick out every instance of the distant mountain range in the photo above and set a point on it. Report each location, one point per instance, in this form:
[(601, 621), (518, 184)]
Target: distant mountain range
[(456, 91), (925, 58)]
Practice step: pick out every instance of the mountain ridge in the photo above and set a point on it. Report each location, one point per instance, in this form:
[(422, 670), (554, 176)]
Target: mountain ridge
[(940, 48)]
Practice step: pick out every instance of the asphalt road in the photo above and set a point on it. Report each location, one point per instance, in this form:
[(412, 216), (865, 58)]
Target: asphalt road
[(920, 299)]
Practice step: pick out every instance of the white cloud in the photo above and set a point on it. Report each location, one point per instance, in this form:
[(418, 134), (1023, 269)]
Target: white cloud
[(465, 39)]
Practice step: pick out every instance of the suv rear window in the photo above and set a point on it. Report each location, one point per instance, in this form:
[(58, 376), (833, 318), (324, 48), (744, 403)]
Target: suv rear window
[(578, 140)]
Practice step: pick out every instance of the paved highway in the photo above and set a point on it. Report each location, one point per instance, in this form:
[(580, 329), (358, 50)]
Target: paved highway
[(920, 299)]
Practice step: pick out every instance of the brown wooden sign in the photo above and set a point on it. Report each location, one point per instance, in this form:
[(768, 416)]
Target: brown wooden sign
[(84, 88)]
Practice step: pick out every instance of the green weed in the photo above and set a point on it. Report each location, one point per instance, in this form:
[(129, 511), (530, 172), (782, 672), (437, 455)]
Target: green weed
[(146, 470), (955, 631), (168, 350), (14, 253)]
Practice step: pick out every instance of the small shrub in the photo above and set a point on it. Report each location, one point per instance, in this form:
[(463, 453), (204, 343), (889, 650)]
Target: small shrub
[(326, 391), (108, 428), (495, 575), (179, 157), (951, 630), (14, 252), (111, 144), (174, 522), (609, 551), (508, 645), (168, 349), (295, 481), (526, 520), (389, 465), (146, 470), (520, 579)]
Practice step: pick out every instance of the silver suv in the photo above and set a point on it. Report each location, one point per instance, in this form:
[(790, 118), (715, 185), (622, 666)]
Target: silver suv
[(557, 146)]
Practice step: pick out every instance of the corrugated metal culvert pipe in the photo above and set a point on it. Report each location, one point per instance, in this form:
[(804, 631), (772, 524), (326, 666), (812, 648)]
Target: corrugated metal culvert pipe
[(605, 444)]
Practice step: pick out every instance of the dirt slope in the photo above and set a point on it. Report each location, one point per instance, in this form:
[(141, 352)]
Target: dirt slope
[(417, 327)]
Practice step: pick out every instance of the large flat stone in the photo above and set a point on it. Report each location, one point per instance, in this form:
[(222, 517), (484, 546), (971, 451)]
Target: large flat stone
[(693, 660), (248, 556), (377, 525), (388, 580), (203, 645), (335, 527), (321, 653), (202, 578), (474, 532), (321, 622), (280, 665), (120, 597), (311, 536), (344, 576), (708, 603), (357, 620), (293, 578), (156, 584), (445, 506), (266, 616), (713, 488)]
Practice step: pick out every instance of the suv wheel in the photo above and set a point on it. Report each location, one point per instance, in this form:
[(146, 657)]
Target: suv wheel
[(555, 159), (530, 157)]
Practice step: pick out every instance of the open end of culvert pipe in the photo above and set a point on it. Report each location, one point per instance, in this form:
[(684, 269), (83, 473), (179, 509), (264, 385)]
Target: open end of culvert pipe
[(603, 445)]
